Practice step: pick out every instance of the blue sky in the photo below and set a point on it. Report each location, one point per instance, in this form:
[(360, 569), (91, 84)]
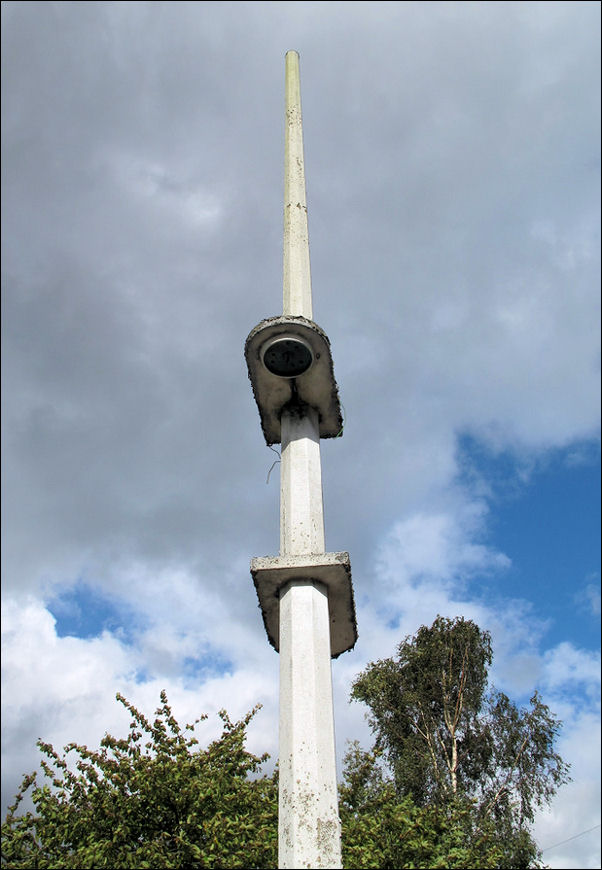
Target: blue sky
[(548, 524), (452, 159), (84, 612)]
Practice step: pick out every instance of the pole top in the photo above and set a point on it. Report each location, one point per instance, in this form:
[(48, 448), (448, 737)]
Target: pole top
[(297, 299)]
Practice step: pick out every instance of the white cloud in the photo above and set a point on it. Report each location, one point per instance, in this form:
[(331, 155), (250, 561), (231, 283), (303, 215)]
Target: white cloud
[(439, 545), (576, 808), (588, 598), (571, 671), (62, 689)]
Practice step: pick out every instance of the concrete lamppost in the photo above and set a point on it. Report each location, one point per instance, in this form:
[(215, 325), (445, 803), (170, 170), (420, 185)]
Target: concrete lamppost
[(305, 593)]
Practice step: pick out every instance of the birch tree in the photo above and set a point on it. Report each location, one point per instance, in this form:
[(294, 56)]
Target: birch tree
[(448, 738)]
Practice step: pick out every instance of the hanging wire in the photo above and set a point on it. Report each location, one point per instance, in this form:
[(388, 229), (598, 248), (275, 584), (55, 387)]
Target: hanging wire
[(562, 842), (275, 462)]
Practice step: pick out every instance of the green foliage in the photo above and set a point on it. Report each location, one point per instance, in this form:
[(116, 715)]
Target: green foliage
[(153, 804), (454, 746), (381, 829)]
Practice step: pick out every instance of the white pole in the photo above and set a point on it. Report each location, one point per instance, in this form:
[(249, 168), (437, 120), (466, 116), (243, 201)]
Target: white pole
[(308, 820), (296, 272)]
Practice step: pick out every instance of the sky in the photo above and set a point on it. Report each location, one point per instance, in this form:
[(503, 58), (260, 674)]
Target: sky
[(452, 161)]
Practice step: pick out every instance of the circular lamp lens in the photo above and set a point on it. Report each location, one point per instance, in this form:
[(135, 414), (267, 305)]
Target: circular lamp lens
[(287, 357)]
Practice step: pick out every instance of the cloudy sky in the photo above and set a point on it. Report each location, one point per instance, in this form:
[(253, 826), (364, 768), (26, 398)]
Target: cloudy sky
[(452, 158)]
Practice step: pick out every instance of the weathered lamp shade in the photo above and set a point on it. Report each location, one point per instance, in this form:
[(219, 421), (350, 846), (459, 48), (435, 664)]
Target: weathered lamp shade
[(289, 360)]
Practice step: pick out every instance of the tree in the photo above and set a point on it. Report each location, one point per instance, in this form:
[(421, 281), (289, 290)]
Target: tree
[(452, 743), (382, 829), (161, 804)]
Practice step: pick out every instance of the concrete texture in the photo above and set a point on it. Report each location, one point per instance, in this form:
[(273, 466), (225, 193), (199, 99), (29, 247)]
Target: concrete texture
[(301, 506), (296, 286), (308, 824), (309, 828)]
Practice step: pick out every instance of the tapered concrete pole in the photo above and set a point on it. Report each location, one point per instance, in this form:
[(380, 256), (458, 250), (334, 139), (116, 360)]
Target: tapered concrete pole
[(308, 826), (296, 273), (305, 594)]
